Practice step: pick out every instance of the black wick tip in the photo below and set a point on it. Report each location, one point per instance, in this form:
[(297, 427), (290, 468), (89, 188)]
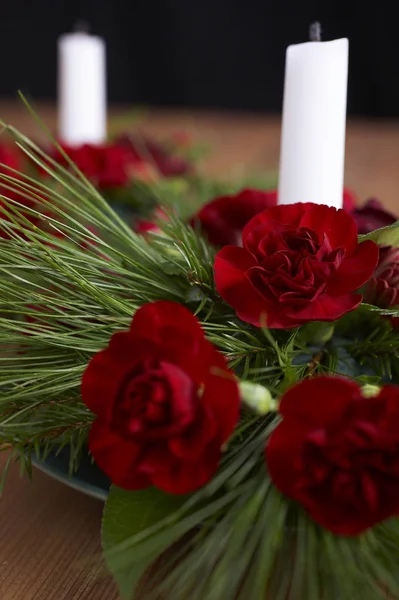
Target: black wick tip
[(81, 27), (315, 32)]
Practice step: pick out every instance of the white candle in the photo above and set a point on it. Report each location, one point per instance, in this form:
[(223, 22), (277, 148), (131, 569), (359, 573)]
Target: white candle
[(82, 101), (314, 121)]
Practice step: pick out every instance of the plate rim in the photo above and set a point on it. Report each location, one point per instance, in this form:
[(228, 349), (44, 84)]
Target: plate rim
[(77, 484)]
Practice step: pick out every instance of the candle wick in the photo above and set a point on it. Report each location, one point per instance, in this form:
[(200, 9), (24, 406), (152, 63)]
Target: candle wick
[(81, 27), (315, 32)]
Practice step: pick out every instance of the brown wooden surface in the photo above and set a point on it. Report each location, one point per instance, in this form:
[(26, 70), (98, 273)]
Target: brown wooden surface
[(50, 534)]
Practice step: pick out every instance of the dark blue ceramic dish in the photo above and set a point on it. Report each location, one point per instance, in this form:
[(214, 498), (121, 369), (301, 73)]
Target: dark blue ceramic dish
[(88, 479)]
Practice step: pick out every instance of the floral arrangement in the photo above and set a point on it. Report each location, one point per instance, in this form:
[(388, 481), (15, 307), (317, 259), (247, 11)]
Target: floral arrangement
[(232, 371)]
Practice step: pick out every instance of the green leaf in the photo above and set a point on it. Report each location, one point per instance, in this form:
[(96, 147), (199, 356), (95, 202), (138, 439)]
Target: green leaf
[(369, 379), (316, 332), (385, 236), (392, 311), (127, 513)]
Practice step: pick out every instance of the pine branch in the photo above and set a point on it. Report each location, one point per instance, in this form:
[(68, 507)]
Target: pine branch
[(379, 350), (286, 554), (63, 296), (61, 299)]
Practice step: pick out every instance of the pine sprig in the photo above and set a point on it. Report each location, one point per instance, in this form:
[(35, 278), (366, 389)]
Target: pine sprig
[(371, 340), (238, 538), (62, 296)]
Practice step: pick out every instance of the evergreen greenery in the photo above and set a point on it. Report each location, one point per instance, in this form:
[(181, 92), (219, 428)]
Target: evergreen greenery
[(61, 298)]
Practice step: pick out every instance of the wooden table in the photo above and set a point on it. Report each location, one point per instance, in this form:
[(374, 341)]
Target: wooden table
[(50, 534)]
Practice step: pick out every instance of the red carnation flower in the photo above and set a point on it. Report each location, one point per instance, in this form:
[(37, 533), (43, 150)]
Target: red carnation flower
[(10, 158), (165, 402), (368, 217), (107, 166), (115, 165), (371, 216), (299, 263), (224, 218), (349, 201), (337, 453), (383, 288)]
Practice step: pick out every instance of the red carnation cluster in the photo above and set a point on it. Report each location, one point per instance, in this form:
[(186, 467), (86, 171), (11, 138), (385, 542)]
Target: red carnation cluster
[(223, 219), (165, 402), (106, 166), (10, 159), (115, 165), (336, 452), (298, 263)]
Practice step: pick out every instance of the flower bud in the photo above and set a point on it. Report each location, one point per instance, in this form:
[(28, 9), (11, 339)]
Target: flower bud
[(371, 216), (370, 391), (257, 398), (383, 288)]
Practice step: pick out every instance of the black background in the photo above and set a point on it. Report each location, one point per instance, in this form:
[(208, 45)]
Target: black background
[(208, 53)]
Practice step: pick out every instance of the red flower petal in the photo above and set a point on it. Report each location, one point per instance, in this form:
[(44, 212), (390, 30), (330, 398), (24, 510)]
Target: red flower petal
[(234, 286), (222, 396), (339, 227), (183, 477), (147, 387), (191, 446), (118, 458), (238, 258), (100, 381), (175, 330), (286, 214), (290, 254), (325, 308), (336, 452), (343, 520), (317, 401), (279, 320), (282, 451), (350, 201), (356, 270), (155, 320), (329, 308), (371, 216), (224, 218)]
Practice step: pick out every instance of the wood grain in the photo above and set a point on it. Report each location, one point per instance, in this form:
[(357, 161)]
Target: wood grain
[(50, 542), (50, 534)]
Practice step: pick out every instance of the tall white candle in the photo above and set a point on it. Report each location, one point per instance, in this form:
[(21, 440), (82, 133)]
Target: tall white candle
[(314, 121), (82, 105)]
